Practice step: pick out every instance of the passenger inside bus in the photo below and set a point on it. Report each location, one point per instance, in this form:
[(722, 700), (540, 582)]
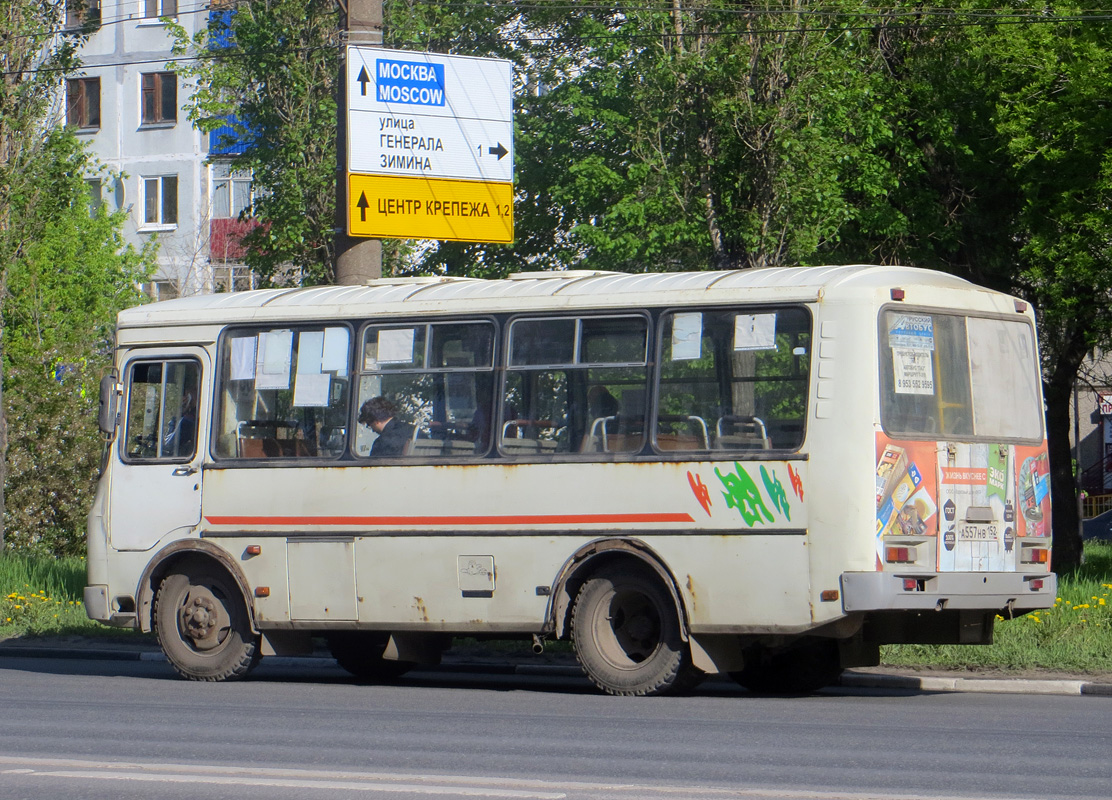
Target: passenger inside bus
[(394, 436)]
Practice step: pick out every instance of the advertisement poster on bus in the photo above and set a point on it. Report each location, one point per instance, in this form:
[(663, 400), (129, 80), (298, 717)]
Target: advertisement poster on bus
[(976, 498)]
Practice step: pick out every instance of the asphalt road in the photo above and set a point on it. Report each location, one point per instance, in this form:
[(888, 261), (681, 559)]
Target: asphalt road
[(75, 728)]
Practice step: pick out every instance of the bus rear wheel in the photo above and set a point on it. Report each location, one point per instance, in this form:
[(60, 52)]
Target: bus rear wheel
[(202, 624), (361, 654), (800, 668), (626, 631)]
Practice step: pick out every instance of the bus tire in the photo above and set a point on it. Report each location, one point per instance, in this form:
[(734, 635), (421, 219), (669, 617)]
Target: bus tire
[(800, 668), (626, 631), (202, 624), (361, 654)]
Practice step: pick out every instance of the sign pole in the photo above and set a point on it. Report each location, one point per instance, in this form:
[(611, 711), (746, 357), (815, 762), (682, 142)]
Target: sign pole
[(358, 260)]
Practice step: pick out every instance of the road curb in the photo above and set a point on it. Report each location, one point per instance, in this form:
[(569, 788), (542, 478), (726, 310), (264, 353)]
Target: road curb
[(850, 679)]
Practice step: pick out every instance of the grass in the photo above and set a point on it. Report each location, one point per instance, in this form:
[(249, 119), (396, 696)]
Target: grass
[(42, 597), (1073, 636)]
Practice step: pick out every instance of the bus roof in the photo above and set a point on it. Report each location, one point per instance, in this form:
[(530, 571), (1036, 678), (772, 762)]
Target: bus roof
[(531, 291)]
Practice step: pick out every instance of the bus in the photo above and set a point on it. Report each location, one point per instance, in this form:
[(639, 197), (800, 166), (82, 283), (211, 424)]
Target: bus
[(765, 473)]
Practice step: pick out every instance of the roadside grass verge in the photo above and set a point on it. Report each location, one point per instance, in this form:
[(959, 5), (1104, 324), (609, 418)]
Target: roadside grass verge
[(43, 597), (1073, 636), (40, 596)]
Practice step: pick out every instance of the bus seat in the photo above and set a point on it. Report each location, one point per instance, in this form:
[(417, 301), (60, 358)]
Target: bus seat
[(736, 432), (687, 432), (258, 448), (521, 436)]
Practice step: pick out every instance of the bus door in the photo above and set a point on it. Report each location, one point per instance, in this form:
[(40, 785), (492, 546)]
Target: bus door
[(156, 475)]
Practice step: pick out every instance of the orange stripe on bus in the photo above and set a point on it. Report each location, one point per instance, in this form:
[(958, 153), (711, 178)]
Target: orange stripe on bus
[(538, 519)]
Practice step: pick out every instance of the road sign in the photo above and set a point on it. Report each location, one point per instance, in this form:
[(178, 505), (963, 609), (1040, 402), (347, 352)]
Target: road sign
[(391, 207), (471, 149), (429, 115)]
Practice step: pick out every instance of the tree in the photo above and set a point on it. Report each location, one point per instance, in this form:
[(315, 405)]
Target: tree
[(1011, 122), (64, 272), (32, 58), (269, 70), (63, 292)]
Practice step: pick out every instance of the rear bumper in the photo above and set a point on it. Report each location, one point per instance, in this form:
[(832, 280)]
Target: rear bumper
[(984, 591)]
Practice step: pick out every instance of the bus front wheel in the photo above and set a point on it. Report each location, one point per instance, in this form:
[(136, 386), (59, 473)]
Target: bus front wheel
[(202, 625), (626, 631)]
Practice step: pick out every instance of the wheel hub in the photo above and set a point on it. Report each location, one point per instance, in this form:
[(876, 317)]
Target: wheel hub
[(200, 621)]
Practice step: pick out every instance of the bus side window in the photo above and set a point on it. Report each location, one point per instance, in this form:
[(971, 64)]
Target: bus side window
[(440, 377), (575, 385), (733, 379), (284, 393), (162, 410)]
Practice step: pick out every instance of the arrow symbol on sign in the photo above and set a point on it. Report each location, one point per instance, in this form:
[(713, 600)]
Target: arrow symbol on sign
[(498, 151), (363, 79), (362, 205)]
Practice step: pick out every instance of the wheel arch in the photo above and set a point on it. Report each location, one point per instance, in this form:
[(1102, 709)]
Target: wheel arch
[(596, 555), (178, 553)]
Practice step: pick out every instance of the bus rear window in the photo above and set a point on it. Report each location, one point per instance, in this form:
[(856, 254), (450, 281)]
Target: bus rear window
[(944, 375)]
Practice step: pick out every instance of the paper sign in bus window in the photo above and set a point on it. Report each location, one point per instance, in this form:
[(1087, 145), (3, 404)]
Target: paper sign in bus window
[(913, 370), (395, 346), (335, 356), (687, 336), (310, 390), (310, 352), (272, 364), (911, 332), (755, 332), (243, 358)]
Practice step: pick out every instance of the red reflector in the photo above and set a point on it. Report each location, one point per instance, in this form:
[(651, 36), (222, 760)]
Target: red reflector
[(1035, 584), (262, 591), (1020, 306), (899, 554), (829, 595), (897, 294), (253, 549), (910, 584)]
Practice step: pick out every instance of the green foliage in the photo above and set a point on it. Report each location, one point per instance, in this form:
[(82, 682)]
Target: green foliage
[(64, 272), (73, 274), (275, 81), (42, 596)]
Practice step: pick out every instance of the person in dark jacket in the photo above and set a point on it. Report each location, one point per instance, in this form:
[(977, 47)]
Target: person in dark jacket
[(393, 435)]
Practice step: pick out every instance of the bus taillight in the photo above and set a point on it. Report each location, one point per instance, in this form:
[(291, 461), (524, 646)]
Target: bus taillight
[(1035, 555), (899, 555)]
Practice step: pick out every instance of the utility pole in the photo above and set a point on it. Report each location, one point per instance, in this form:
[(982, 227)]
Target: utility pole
[(358, 260)]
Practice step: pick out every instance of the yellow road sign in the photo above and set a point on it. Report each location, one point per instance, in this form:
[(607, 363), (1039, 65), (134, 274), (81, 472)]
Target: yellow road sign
[(391, 207)]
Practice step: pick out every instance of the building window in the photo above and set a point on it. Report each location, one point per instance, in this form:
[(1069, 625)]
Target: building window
[(96, 195), (83, 15), (160, 97), (154, 9), (160, 201), (83, 102), (231, 191)]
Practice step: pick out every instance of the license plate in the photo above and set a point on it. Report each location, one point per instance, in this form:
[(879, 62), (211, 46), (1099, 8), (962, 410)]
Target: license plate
[(977, 532)]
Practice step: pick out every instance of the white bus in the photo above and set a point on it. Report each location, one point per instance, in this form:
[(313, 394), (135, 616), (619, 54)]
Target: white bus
[(766, 473)]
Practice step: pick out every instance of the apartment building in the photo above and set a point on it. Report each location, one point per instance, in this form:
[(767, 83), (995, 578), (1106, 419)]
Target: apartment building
[(177, 185)]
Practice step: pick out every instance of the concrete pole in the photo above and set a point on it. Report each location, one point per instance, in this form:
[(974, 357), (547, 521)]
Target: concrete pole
[(358, 260)]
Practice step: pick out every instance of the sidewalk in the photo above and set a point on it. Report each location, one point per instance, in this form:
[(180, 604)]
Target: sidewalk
[(564, 665)]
